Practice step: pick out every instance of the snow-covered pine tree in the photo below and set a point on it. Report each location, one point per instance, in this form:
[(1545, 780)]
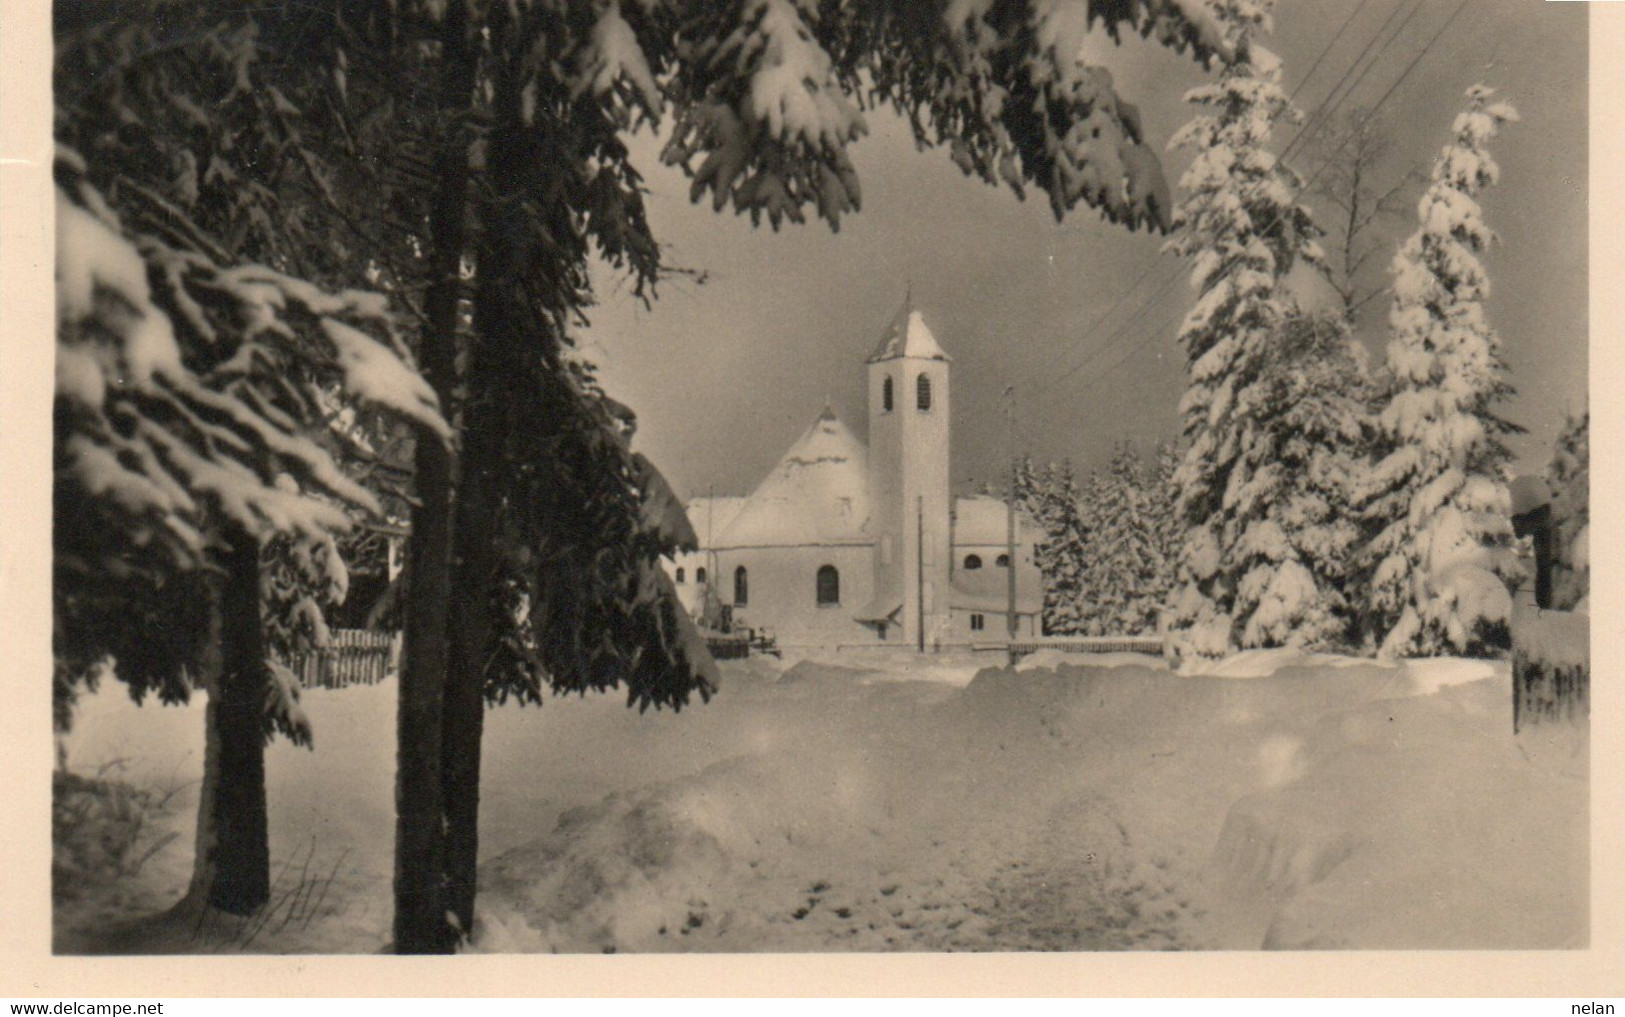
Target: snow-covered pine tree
[(1124, 561), (1050, 496), (187, 438), (769, 96), (1092, 605), (1311, 417), (1243, 226), (1569, 479), (1439, 498), (1065, 558), (1166, 524), (1024, 488)]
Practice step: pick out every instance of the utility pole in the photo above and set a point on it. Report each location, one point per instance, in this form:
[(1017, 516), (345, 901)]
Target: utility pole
[(712, 617), (919, 568), (1010, 521)]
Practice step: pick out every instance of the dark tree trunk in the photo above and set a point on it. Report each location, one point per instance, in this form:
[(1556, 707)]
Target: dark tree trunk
[(475, 561), (464, 722), (420, 910), (498, 379), (237, 858)]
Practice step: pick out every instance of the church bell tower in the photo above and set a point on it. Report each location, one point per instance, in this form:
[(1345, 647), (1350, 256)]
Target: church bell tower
[(908, 480)]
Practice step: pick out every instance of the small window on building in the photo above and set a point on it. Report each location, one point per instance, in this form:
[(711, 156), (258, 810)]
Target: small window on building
[(885, 395), (680, 574), (699, 575), (977, 622), (973, 562), (922, 392), (829, 586), (1003, 561), (741, 587)]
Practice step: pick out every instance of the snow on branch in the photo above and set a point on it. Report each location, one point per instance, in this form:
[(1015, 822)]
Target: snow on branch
[(186, 390), (769, 96)]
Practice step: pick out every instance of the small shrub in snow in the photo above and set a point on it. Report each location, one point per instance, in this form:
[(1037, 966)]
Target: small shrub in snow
[(99, 832)]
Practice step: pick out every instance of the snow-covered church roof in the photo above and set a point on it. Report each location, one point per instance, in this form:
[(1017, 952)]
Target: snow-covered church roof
[(817, 494), (907, 336), (711, 514), (979, 520)]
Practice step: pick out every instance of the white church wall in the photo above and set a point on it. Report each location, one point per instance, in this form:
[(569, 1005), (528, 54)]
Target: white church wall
[(783, 592), (992, 627), (685, 570)]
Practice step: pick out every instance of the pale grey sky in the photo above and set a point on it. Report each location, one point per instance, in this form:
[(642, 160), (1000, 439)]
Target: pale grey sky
[(725, 376)]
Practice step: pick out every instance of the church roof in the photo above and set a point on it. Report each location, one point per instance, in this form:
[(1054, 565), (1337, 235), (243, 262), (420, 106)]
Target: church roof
[(711, 514), (907, 336), (817, 494), (979, 520)]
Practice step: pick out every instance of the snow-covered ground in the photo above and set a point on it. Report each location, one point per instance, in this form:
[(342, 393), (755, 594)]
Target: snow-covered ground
[(868, 802)]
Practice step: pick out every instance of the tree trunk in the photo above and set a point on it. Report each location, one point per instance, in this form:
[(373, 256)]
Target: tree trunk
[(420, 911), (237, 857), (496, 379), (492, 374), (205, 842), (464, 722)]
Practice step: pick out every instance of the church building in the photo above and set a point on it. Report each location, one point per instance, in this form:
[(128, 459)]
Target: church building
[(843, 544)]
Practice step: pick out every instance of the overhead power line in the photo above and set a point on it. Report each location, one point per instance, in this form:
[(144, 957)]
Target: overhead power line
[(1104, 347), (1147, 269)]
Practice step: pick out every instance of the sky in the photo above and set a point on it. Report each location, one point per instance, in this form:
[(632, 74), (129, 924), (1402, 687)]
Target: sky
[(725, 375)]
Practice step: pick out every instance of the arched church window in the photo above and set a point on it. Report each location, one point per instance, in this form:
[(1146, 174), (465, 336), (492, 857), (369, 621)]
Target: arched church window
[(699, 574), (1003, 561), (829, 586), (973, 562), (679, 573), (885, 394), (922, 392), (741, 587)]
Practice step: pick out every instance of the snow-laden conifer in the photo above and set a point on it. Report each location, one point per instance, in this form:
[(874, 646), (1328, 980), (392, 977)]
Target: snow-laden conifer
[(1569, 479), (1050, 496), (1312, 422), (1439, 497), (1242, 225), (1125, 567)]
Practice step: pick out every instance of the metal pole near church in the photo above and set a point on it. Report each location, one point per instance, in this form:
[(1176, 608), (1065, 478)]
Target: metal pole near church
[(919, 568), (1010, 521)]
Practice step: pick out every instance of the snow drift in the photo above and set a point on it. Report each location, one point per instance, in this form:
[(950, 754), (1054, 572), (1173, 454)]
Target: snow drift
[(1319, 803)]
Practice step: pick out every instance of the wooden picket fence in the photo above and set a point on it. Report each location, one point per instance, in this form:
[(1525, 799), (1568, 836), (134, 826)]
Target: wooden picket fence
[(1083, 644), (356, 657), (1551, 667), (1542, 692)]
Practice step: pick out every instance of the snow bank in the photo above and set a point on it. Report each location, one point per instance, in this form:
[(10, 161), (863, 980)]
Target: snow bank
[(1418, 823), (875, 664), (1556, 639), (1098, 804), (1428, 675), (1265, 663), (1051, 660)]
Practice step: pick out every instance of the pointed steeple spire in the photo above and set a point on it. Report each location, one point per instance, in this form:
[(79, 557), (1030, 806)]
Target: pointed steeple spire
[(907, 335)]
